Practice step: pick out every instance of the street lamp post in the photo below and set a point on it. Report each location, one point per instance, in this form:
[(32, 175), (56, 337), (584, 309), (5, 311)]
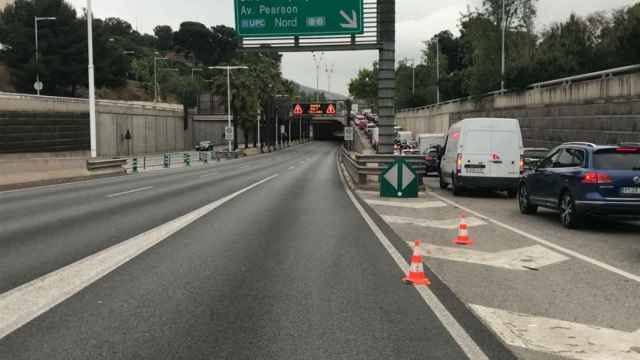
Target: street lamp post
[(228, 69), (437, 69), (92, 83), (413, 76), (503, 26), (155, 76), (35, 21), (318, 61)]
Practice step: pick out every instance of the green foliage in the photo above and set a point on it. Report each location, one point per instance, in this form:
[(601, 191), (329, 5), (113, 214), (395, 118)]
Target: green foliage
[(365, 86)]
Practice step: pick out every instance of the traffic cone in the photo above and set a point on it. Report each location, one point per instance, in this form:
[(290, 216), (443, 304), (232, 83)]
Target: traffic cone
[(416, 272), (463, 233)]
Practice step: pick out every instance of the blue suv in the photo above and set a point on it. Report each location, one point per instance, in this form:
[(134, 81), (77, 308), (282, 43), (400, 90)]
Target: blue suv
[(583, 179)]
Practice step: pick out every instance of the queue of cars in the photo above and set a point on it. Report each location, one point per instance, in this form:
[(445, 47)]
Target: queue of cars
[(579, 180)]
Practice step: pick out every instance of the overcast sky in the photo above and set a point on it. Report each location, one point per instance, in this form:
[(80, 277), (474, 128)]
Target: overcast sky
[(418, 20)]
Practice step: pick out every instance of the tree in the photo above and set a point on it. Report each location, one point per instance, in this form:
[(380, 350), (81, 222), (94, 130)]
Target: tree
[(365, 86), (164, 34), (62, 45), (186, 90)]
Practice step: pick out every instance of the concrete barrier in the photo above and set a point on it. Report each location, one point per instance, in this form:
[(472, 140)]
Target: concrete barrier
[(604, 111)]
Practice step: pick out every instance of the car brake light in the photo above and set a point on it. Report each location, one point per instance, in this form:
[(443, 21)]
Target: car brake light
[(596, 178), (521, 166), (428, 158), (628, 150), (459, 164)]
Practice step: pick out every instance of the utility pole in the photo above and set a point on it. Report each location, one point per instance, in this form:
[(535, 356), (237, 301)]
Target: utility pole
[(503, 25), (228, 69), (329, 70)]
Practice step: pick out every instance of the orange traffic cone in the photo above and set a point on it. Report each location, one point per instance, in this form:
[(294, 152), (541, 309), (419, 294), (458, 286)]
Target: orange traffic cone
[(416, 272), (463, 233)]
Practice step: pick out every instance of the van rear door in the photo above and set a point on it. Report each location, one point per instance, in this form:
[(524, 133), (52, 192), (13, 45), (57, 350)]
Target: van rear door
[(476, 146), (504, 156)]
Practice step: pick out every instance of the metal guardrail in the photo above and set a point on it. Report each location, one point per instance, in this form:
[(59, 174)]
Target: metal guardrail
[(563, 81), (104, 164), (373, 165)]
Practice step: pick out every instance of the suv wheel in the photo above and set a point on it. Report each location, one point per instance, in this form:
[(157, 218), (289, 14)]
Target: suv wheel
[(568, 214), (526, 207), (443, 184)]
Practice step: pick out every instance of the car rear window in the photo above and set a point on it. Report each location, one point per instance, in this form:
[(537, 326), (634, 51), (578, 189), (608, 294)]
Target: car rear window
[(611, 159)]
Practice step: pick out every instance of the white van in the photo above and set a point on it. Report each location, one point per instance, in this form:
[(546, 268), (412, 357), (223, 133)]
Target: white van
[(482, 153), (404, 136), (426, 141)]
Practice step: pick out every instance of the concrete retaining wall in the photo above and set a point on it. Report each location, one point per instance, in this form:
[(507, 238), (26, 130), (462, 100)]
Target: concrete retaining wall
[(211, 128), (601, 111), (153, 127)]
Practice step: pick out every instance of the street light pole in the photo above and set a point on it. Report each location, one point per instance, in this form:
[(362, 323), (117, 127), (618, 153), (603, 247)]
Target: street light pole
[(318, 61), (155, 77), (92, 83), (503, 26), (437, 69), (35, 21), (228, 69)]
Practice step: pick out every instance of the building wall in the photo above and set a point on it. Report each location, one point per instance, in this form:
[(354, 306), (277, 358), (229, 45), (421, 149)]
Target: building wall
[(602, 111), (153, 128)]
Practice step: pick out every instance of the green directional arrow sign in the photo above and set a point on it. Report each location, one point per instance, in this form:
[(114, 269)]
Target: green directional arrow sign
[(269, 18), (399, 180)]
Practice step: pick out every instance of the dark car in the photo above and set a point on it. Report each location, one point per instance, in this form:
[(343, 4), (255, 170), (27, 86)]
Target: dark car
[(204, 146), (582, 179), (432, 158)]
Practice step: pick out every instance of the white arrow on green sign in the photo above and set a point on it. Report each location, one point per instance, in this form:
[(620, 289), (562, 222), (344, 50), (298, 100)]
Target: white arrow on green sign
[(271, 18), (399, 180)]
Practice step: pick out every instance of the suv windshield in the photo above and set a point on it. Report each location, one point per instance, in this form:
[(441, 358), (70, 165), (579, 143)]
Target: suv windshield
[(611, 159)]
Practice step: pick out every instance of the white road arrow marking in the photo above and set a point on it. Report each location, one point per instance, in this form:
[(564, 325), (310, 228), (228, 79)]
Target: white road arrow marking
[(408, 204), (448, 224), (562, 338), (528, 258), (352, 22)]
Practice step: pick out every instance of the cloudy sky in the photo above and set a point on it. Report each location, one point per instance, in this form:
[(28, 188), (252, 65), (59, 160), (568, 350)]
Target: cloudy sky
[(418, 20)]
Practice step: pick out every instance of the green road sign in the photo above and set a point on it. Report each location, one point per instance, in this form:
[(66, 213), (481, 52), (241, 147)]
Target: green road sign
[(399, 180), (258, 18)]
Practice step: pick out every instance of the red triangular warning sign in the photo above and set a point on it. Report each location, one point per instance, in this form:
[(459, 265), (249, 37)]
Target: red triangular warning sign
[(331, 109), (297, 110)]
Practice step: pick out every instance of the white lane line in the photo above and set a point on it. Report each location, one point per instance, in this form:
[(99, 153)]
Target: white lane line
[(408, 204), (562, 338), (208, 175), (527, 258), (23, 304), (448, 224), (544, 242), (146, 188), (457, 332)]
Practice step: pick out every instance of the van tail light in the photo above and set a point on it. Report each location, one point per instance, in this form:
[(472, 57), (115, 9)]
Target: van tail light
[(593, 177), (428, 158), (459, 165), (521, 166)]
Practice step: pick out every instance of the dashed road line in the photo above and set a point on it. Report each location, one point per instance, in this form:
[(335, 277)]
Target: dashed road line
[(146, 188), (544, 242), (21, 305)]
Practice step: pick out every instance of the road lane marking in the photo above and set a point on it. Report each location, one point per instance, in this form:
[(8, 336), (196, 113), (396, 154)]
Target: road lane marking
[(408, 204), (562, 338), (448, 224), (23, 304), (209, 175), (527, 258), (457, 332), (146, 188), (544, 242)]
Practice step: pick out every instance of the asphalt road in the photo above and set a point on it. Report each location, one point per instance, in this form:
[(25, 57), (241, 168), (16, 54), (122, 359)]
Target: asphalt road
[(280, 264)]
